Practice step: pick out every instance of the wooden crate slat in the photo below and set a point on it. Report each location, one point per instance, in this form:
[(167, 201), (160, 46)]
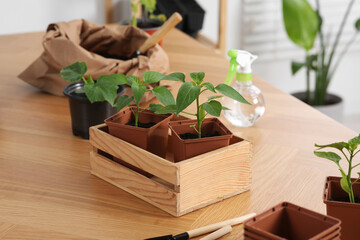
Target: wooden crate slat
[(133, 155), (134, 183), (220, 174)]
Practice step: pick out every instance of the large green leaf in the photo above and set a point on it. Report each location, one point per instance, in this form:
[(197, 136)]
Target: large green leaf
[(73, 72), (133, 79), (213, 108), (329, 155), (159, 109), (113, 79), (231, 93), (338, 145), (98, 92), (176, 76), (354, 142), (138, 92), (164, 95), (301, 22), (186, 95), (344, 183), (198, 77), (152, 77), (123, 101)]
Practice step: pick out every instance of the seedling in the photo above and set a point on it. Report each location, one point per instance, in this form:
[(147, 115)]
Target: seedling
[(149, 8), (351, 149), (190, 92), (104, 89), (138, 89)]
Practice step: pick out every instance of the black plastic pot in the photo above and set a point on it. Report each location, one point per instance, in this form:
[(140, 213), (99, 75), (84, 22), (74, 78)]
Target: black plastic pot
[(190, 10), (85, 114)]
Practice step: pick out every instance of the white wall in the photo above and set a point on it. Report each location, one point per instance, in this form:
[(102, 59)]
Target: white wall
[(17, 16)]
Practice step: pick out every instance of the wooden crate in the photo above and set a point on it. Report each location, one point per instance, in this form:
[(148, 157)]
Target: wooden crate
[(177, 188)]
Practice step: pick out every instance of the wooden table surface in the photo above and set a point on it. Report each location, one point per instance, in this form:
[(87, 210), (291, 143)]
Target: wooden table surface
[(47, 191)]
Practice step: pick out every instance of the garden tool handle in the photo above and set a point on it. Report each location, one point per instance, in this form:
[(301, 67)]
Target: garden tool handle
[(216, 226), (219, 233), (161, 32)]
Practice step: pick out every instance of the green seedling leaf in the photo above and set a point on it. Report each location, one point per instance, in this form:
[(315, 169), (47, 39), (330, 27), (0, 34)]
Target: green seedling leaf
[(186, 95), (176, 76), (138, 92), (301, 22), (225, 108), (215, 97), (231, 93), (354, 143), (338, 145), (133, 79), (98, 92), (113, 79), (213, 108), (357, 25), (328, 155), (210, 87), (159, 109), (164, 95), (198, 77), (123, 101), (152, 77), (149, 4), (202, 113), (344, 184), (296, 66), (74, 72)]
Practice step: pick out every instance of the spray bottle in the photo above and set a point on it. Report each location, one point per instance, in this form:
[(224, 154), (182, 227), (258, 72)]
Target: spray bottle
[(243, 115)]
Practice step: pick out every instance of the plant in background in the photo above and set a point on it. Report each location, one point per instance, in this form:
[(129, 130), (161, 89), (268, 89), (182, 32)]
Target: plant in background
[(138, 89), (104, 89), (351, 148), (149, 7), (190, 92), (303, 24)]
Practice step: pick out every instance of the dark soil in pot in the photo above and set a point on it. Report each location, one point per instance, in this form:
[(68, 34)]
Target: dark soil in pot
[(83, 113), (186, 136), (184, 149), (153, 139)]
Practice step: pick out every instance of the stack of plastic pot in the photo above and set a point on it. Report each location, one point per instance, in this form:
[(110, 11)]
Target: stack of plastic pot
[(289, 221)]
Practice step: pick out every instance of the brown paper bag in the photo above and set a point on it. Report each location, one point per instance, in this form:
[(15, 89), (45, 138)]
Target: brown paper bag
[(67, 42)]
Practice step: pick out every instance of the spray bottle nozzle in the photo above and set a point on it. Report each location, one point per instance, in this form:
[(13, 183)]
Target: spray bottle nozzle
[(240, 58)]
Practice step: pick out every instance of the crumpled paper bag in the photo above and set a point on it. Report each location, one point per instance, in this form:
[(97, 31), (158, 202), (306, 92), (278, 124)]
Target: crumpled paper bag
[(80, 40)]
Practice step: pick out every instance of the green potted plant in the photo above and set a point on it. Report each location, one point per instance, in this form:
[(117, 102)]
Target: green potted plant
[(90, 101), (342, 194), (141, 126), (193, 137), (149, 22), (303, 25)]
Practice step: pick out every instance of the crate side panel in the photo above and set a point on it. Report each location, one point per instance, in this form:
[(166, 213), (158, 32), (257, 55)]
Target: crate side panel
[(215, 176), (135, 156), (134, 183)]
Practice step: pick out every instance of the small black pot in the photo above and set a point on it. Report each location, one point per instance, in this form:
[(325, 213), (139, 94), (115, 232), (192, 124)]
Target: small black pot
[(85, 114)]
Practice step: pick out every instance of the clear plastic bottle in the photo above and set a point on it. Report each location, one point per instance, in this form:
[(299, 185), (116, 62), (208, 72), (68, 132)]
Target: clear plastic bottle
[(245, 115), (240, 114)]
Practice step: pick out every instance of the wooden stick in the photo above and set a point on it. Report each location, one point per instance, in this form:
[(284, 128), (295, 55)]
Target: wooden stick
[(216, 226), (219, 233), (161, 32)]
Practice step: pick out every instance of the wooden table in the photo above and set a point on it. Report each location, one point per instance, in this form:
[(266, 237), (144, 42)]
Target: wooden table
[(47, 191)]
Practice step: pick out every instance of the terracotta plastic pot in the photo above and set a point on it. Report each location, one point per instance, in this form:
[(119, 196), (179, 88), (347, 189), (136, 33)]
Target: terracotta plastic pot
[(153, 139), (85, 114), (347, 212), (289, 221), (184, 149)]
